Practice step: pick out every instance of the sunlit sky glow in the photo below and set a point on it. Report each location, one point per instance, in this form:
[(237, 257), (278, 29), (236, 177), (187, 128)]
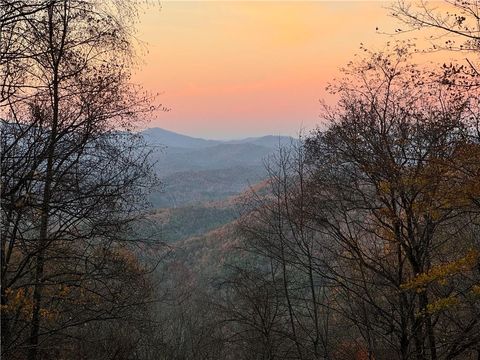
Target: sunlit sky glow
[(229, 69)]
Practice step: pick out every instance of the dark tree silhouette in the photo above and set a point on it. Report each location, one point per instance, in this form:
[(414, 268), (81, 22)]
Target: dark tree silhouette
[(74, 175)]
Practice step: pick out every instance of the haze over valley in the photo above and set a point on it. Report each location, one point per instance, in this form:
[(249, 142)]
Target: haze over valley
[(195, 170)]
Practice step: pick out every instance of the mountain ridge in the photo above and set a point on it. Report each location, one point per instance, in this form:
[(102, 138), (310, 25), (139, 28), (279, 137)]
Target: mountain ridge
[(195, 170), (171, 138), (174, 139)]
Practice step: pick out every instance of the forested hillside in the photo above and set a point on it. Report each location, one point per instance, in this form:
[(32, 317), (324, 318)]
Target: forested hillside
[(194, 170), (360, 240)]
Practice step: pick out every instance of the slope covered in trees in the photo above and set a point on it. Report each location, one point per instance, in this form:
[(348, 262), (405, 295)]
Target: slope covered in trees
[(194, 170), (366, 243), (363, 242)]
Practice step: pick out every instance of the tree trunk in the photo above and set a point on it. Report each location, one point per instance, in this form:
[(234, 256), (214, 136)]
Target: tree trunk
[(47, 193)]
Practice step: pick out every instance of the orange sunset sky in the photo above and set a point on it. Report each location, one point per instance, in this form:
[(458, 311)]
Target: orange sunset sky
[(230, 69)]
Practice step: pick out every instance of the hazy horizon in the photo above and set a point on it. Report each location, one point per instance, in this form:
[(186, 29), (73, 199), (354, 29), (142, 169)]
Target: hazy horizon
[(227, 136)]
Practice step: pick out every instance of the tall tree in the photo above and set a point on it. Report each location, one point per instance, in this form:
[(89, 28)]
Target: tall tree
[(278, 230), (400, 220), (73, 173)]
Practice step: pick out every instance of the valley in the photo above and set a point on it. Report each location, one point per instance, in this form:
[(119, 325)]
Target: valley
[(193, 171), (204, 186)]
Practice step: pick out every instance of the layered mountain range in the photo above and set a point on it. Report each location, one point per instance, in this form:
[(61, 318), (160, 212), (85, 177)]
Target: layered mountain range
[(194, 170)]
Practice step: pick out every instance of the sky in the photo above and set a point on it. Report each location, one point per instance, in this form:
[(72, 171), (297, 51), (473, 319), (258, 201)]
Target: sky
[(232, 69)]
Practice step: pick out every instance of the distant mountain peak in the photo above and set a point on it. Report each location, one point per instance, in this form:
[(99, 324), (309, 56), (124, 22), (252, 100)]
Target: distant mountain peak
[(159, 136), (195, 170)]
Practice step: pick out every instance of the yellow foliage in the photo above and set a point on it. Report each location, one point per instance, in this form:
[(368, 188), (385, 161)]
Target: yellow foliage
[(442, 304), (440, 273), (64, 291), (48, 315), (384, 187), (18, 301)]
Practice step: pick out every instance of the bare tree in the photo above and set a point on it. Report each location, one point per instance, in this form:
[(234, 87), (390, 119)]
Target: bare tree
[(452, 25), (12, 48), (394, 210), (73, 173), (364, 240), (450, 18), (279, 230), (254, 316)]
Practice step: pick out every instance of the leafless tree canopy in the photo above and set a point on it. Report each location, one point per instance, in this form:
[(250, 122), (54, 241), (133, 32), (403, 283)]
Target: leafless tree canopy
[(74, 178), (452, 25)]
